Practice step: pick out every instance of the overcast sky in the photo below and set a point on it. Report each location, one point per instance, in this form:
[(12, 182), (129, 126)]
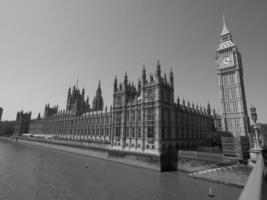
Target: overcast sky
[(45, 45)]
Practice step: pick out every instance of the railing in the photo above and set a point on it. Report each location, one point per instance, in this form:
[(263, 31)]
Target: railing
[(253, 187)]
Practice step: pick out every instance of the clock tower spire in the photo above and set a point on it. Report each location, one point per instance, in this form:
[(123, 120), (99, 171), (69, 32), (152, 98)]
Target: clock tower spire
[(225, 29), (231, 85)]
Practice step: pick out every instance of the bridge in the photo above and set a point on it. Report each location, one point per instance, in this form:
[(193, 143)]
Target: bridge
[(256, 186)]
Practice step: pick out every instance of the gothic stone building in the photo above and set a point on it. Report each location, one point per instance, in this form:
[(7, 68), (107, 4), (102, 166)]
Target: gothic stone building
[(232, 96), (142, 119), (22, 123)]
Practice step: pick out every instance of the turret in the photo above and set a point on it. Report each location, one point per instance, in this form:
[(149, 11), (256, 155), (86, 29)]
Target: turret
[(87, 100), (125, 81), (139, 87), (178, 101), (115, 86), (98, 100), (165, 78), (158, 72), (83, 92), (144, 75), (208, 109), (214, 113), (151, 78), (171, 78)]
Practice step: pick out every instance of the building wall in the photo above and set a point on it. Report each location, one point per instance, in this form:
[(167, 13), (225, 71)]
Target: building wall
[(231, 86), (36, 126), (88, 127), (22, 123), (144, 119)]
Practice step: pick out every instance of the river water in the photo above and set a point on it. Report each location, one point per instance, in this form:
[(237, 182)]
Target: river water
[(33, 172)]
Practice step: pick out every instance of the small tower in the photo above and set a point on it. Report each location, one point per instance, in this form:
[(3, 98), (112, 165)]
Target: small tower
[(158, 72), (125, 83), (139, 87), (144, 75), (208, 109), (115, 86), (171, 78), (98, 99)]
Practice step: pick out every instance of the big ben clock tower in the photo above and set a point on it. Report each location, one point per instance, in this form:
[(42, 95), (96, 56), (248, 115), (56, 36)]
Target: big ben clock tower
[(231, 85)]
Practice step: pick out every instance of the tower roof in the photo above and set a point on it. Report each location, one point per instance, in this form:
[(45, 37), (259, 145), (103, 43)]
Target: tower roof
[(224, 29)]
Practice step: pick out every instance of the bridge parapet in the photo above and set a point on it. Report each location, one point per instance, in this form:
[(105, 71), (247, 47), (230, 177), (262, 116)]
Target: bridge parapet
[(256, 185)]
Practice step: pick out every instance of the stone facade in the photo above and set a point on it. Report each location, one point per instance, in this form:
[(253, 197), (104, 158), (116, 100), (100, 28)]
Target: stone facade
[(22, 123), (231, 86), (142, 119), (36, 126)]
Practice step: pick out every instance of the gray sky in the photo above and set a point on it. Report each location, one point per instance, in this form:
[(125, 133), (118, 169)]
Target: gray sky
[(45, 45)]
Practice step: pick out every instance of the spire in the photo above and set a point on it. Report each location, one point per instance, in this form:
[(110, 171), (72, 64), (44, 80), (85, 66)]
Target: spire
[(144, 74), (77, 84), (158, 72), (139, 87), (115, 86), (171, 78), (99, 84), (225, 29)]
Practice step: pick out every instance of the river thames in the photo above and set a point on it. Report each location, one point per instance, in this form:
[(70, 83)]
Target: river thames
[(33, 172)]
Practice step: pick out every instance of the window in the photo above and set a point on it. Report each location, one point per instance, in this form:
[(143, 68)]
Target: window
[(232, 78), (133, 116), (107, 132), (139, 132), (118, 117), (133, 132), (165, 116), (127, 132), (162, 133), (150, 114), (117, 132), (139, 115), (150, 132), (128, 116), (150, 94)]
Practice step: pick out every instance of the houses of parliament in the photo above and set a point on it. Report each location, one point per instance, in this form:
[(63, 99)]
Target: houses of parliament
[(146, 118), (143, 118)]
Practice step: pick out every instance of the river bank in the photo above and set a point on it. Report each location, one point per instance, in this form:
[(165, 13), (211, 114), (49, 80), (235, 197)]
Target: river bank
[(33, 172), (226, 173), (101, 151)]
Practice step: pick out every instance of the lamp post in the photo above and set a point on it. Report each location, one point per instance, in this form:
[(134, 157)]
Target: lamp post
[(254, 118)]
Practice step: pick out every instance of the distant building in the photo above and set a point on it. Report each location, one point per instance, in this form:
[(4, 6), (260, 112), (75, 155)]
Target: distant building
[(1, 112), (22, 123)]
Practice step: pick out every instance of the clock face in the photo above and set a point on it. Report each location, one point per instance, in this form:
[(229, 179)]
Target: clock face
[(227, 61)]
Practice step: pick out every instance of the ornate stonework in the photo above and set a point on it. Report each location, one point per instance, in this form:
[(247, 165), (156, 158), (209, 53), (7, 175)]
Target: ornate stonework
[(231, 85), (143, 119)]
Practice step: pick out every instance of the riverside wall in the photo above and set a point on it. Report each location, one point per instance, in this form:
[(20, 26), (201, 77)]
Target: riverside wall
[(101, 151)]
